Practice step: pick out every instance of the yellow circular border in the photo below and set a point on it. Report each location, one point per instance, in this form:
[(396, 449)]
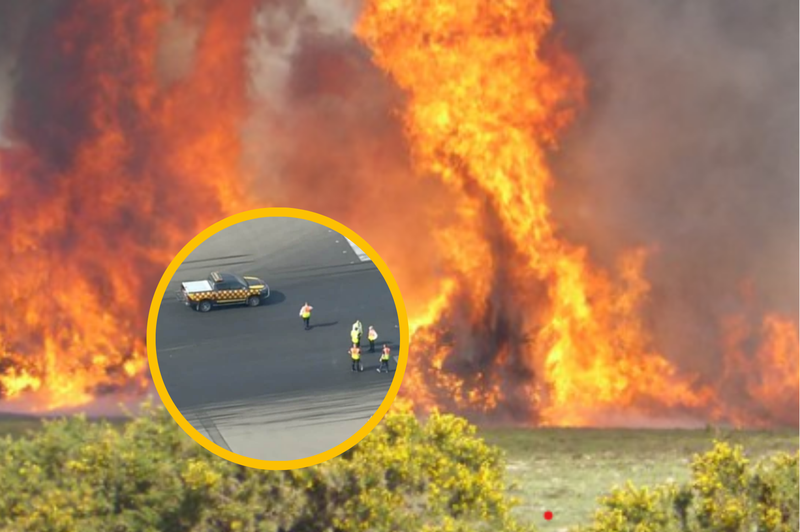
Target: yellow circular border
[(152, 356)]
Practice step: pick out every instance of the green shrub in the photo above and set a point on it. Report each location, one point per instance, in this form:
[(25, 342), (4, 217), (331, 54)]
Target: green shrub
[(635, 509), (774, 489), (727, 493), (74, 475)]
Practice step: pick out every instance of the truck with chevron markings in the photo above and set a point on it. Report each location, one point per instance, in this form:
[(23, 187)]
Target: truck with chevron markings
[(223, 289)]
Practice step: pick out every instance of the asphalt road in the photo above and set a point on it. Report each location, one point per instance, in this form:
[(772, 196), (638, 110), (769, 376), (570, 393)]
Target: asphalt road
[(252, 379)]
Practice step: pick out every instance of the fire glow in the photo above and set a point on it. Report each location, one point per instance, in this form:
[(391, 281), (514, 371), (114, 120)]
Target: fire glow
[(524, 326), (485, 105)]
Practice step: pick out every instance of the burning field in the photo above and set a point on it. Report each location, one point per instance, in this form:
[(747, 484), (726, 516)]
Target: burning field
[(549, 272)]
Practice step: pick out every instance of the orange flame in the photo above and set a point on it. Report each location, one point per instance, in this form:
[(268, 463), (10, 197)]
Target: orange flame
[(130, 165), (488, 96), (766, 384), (152, 165)]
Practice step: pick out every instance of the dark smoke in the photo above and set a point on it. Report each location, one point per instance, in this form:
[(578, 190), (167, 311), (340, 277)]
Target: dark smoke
[(94, 176), (67, 58), (330, 139), (17, 17), (689, 141), (688, 144)]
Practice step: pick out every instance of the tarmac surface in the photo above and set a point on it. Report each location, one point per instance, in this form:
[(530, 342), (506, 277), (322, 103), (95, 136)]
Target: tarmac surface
[(252, 380)]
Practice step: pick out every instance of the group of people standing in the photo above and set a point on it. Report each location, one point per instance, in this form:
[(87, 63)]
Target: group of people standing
[(355, 337), (355, 349)]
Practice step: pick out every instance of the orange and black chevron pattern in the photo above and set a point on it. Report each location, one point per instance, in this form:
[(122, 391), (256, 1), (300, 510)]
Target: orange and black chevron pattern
[(225, 295)]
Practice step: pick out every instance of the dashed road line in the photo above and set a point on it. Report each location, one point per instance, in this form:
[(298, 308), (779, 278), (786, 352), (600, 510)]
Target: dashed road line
[(363, 257), (177, 348)]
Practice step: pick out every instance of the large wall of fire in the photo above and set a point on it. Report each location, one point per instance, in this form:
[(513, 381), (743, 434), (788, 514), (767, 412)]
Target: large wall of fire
[(584, 231)]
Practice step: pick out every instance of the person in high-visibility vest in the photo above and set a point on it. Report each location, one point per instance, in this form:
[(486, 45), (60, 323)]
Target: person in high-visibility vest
[(305, 313), (355, 355), (355, 338), (360, 330), (372, 335), (384, 359)]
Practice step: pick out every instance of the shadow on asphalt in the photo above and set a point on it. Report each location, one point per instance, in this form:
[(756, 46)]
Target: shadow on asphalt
[(275, 297), (327, 324)]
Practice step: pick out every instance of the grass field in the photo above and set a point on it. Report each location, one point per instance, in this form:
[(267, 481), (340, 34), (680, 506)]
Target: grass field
[(566, 470), (18, 425)]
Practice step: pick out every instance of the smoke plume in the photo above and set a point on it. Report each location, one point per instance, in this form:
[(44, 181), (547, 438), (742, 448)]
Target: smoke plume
[(327, 137), (689, 142), (135, 125), (687, 145)]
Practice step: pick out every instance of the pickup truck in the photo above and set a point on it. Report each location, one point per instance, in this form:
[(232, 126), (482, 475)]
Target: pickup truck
[(221, 289)]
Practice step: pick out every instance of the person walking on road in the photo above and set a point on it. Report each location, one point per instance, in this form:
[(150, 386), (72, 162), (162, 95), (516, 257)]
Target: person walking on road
[(355, 356), (359, 329), (372, 335), (384, 359), (355, 339), (305, 313)]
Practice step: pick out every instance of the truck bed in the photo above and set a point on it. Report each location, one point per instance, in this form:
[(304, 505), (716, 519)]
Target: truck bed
[(192, 287)]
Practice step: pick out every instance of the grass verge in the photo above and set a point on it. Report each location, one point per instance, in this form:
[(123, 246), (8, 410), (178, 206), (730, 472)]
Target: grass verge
[(566, 470)]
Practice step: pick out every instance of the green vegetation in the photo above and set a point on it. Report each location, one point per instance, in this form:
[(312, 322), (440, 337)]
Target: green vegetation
[(565, 471), (149, 476), (727, 493), (17, 425), (438, 475)]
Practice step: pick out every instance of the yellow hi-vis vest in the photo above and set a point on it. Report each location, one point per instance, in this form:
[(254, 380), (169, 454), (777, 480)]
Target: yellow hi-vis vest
[(306, 312), (355, 353), (385, 355), (354, 336), (373, 335)]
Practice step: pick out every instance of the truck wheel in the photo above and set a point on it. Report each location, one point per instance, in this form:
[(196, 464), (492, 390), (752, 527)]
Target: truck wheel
[(254, 301), (204, 306)]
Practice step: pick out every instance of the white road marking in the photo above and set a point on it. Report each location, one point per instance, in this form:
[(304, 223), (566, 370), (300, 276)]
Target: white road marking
[(176, 348), (361, 255)]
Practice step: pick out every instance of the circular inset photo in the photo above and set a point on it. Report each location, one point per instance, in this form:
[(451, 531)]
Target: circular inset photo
[(277, 338)]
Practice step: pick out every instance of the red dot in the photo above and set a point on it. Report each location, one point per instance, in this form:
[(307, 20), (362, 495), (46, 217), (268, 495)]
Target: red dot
[(548, 515)]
